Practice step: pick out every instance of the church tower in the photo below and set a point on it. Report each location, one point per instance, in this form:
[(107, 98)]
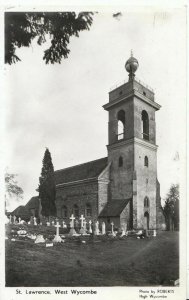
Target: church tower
[(132, 149)]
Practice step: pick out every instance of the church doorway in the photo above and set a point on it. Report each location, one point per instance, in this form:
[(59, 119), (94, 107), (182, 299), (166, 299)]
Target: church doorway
[(146, 220)]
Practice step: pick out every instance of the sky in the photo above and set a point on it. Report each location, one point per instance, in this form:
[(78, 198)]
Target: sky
[(60, 106)]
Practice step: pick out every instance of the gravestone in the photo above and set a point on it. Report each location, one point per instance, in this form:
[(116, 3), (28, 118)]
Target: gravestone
[(32, 220), (90, 227), (103, 228), (52, 223), (39, 239), (14, 220), (72, 230), (48, 223), (57, 238), (154, 233), (64, 225), (19, 220), (113, 233), (97, 232), (35, 221), (10, 219), (82, 219)]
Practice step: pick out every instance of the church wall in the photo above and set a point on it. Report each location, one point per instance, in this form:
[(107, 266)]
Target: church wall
[(121, 177), (80, 194), (103, 188), (127, 107), (139, 106), (146, 184)]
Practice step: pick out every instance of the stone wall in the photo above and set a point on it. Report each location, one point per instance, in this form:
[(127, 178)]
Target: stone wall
[(146, 183), (80, 194), (121, 177)]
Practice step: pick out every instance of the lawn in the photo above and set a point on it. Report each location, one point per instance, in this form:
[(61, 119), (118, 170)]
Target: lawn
[(100, 261)]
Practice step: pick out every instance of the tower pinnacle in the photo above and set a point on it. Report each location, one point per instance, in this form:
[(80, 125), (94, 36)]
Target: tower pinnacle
[(131, 66)]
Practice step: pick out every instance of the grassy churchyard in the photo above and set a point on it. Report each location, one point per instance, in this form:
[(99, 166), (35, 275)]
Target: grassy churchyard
[(89, 260)]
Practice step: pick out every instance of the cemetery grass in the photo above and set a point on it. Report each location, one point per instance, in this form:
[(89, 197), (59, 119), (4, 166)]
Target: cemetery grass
[(101, 261)]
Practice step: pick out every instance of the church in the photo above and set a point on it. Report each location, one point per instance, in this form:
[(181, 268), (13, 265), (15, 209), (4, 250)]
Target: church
[(122, 187)]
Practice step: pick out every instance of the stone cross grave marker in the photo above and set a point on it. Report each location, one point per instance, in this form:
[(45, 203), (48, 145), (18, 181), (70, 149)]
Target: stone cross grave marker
[(57, 238), (14, 219), (103, 228), (82, 220), (97, 232), (10, 219), (64, 225), (72, 230), (90, 227), (85, 225), (72, 218), (34, 221), (113, 233)]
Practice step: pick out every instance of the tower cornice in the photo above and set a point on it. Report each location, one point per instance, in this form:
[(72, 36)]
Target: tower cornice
[(132, 94), (133, 141)]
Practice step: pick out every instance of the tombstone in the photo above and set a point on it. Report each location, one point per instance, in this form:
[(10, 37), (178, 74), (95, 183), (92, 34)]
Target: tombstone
[(34, 221), (22, 232), (96, 231), (10, 219), (72, 230), (52, 223), (64, 225), (57, 238), (43, 221), (49, 245), (154, 233), (19, 220), (31, 236), (113, 233), (14, 220), (103, 228), (48, 223), (90, 227), (83, 230), (29, 223), (82, 220), (39, 239)]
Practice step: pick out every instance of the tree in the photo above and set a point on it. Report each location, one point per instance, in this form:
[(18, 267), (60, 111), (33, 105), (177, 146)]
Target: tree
[(47, 188), (22, 27), (171, 208), (12, 190)]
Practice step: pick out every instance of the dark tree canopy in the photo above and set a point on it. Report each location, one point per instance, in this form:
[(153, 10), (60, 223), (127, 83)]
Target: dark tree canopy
[(22, 27), (171, 208), (47, 188)]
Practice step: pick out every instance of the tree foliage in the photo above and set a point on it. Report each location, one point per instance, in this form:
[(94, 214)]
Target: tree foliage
[(171, 208), (11, 186), (47, 188), (22, 27)]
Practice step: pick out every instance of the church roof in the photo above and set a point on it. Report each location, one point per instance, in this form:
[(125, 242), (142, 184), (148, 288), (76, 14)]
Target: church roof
[(33, 203), (20, 211), (114, 208), (87, 170)]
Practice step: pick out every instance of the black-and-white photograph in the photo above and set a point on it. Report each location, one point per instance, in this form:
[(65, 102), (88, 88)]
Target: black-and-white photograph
[(95, 120)]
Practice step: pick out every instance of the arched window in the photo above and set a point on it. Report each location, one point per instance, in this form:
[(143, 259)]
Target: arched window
[(121, 124), (146, 202), (64, 211), (120, 161), (146, 161), (145, 125), (76, 211), (88, 210)]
